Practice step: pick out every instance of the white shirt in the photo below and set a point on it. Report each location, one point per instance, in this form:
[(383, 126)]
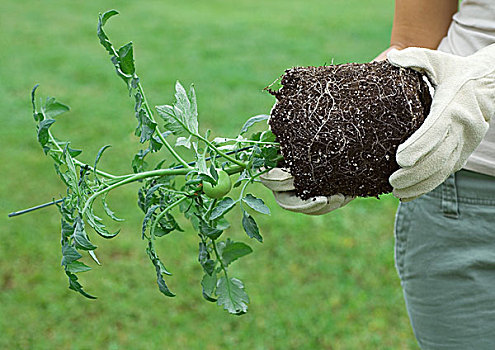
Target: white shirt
[(472, 28)]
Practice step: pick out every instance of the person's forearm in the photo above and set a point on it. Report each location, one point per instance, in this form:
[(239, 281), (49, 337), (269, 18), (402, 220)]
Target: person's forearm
[(420, 23)]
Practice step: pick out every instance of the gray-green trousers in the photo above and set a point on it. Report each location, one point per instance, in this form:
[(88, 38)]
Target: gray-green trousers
[(445, 257)]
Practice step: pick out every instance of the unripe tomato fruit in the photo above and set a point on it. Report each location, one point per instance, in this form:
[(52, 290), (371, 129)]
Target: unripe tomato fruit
[(223, 186)]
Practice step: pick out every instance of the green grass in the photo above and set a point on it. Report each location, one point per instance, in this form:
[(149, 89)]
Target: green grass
[(316, 283)]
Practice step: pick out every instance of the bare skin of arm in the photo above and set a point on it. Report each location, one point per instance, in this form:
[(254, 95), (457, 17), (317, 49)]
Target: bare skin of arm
[(420, 23)]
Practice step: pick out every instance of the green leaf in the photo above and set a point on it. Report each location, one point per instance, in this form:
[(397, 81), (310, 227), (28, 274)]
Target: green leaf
[(104, 41), (147, 217), (268, 136), (222, 208), (233, 251), (213, 172), (53, 108), (209, 266), (81, 238), (74, 285), (167, 113), (251, 121), (69, 254), (99, 154), (67, 229), (251, 227), (98, 226), (37, 116), (160, 271), (232, 296), (126, 59), (146, 127), (43, 132), (203, 254), (210, 232), (182, 117), (209, 283), (109, 211), (256, 204), (77, 266)]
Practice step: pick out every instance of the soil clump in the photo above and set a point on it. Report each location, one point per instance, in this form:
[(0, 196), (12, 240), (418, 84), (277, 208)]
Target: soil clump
[(339, 126)]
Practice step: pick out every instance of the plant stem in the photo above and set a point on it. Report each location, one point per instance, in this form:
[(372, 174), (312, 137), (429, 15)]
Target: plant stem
[(136, 177), (81, 164), (219, 258), (146, 174), (226, 156)]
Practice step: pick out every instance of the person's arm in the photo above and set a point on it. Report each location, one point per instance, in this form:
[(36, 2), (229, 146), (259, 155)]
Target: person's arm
[(420, 23)]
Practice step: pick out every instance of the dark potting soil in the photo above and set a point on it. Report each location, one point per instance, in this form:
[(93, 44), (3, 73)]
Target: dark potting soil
[(339, 126)]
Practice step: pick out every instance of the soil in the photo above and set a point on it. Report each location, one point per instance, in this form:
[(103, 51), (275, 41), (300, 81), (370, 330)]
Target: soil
[(339, 126)]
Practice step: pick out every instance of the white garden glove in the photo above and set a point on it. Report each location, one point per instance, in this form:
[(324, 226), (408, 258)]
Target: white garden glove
[(282, 185), (463, 103)]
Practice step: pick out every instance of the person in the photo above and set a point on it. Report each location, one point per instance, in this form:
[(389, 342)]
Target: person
[(445, 222)]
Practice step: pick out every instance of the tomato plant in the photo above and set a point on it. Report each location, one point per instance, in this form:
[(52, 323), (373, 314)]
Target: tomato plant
[(166, 190)]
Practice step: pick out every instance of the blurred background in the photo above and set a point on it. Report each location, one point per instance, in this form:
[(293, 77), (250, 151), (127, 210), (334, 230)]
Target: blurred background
[(325, 282)]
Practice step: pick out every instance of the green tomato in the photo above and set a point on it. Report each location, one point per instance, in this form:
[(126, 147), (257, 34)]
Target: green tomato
[(222, 187)]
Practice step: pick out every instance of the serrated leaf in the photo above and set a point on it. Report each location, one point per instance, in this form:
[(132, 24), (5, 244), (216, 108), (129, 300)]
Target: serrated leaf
[(53, 108), (102, 20), (209, 266), (166, 225), (251, 121), (222, 208), (147, 217), (146, 127), (81, 238), (109, 211), (268, 136), (256, 204), (167, 113), (67, 229), (69, 254), (210, 232), (209, 283), (43, 127), (182, 117), (231, 295), (250, 226), (233, 251), (126, 59), (98, 226), (76, 267), (160, 270), (76, 286)]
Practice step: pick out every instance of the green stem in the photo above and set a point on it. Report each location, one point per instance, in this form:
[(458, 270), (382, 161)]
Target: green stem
[(146, 174), (219, 259), (136, 177), (210, 208), (81, 164), (160, 136), (226, 156), (225, 139)]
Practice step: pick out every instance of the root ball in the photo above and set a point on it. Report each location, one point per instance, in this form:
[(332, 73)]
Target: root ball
[(339, 126)]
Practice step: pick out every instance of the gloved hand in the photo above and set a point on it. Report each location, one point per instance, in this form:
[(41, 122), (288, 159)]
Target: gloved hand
[(463, 103), (282, 185)]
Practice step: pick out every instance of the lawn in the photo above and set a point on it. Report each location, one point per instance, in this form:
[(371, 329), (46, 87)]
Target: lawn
[(325, 282)]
